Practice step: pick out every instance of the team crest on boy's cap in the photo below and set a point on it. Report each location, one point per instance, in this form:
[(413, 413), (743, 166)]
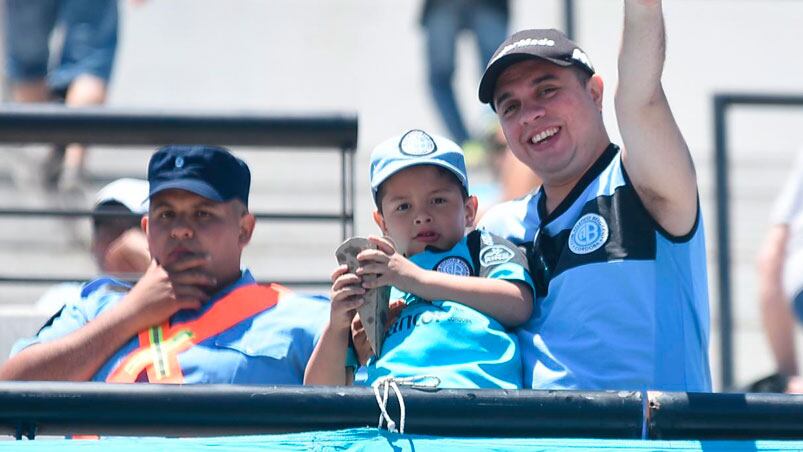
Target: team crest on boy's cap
[(412, 148), (417, 142)]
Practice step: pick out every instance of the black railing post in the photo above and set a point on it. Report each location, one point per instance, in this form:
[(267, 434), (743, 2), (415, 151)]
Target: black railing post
[(569, 19), (343, 192), (350, 156), (723, 240), (722, 102)]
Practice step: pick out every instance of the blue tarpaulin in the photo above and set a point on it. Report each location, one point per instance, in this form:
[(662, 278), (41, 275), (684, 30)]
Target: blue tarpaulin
[(369, 439)]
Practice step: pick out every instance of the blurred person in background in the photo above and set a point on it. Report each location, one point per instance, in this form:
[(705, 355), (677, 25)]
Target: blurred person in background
[(119, 248), (76, 73), (443, 22), (780, 267), (511, 179)]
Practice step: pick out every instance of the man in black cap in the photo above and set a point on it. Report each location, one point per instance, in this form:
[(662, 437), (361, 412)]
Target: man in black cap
[(614, 236), (195, 316)]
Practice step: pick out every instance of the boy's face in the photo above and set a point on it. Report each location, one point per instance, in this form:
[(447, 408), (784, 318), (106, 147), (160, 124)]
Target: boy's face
[(181, 223), (424, 206)]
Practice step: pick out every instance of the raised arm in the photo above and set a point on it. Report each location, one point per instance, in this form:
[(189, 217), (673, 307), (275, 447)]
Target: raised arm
[(655, 154)]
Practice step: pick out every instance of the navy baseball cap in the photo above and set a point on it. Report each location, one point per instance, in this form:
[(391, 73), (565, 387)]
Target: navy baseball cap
[(547, 44), (415, 147), (208, 171)]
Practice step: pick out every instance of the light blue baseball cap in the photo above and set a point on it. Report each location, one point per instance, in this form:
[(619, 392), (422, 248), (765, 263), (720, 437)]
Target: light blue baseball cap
[(415, 147)]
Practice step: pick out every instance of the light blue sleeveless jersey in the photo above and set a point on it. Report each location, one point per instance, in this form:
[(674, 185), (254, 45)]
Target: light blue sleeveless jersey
[(459, 345), (624, 304)]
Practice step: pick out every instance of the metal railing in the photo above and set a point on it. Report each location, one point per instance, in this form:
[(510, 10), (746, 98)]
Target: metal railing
[(44, 124), (28, 409), (722, 105), (569, 19)]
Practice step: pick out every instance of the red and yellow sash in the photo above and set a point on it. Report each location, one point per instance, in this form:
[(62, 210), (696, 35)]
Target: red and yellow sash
[(159, 346)]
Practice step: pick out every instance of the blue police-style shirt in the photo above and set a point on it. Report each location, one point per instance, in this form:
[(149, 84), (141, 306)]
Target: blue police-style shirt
[(271, 347), (459, 345), (622, 303)]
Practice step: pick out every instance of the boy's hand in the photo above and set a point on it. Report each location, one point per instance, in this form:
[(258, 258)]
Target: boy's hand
[(360, 338), (389, 267), (346, 296)]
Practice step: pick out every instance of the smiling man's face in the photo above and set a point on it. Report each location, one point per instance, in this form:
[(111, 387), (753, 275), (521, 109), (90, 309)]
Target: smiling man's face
[(551, 119)]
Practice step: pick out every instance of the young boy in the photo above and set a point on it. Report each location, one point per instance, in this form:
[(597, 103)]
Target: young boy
[(460, 292)]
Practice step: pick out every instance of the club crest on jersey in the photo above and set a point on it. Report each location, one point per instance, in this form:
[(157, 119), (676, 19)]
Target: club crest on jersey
[(454, 266), (495, 255), (417, 143), (588, 234)]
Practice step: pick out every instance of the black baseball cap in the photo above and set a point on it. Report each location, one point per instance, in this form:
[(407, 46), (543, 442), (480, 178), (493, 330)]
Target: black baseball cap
[(547, 44), (208, 171)]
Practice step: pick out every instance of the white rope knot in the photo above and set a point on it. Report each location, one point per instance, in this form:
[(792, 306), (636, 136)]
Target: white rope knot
[(388, 382)]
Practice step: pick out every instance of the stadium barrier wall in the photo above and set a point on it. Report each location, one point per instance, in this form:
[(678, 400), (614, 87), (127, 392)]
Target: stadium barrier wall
[(28, 409)]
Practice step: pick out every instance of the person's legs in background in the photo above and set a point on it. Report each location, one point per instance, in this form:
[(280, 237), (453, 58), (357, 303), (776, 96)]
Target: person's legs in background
[(86, 90), (84, 69), (442, 24), (28, 28), (28, 25), (487, 20), (80, 76)]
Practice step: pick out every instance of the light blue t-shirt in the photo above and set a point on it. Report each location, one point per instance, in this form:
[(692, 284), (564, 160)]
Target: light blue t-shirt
[(271, 347), (622, 304), (57, 296), (459, 345)]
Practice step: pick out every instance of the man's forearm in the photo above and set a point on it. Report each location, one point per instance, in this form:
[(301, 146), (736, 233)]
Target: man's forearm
[(641, 58), (777, 317), (779, 325), (75, 357)]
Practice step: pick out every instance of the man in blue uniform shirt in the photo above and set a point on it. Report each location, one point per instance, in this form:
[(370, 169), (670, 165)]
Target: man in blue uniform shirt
[(614, 237), (208, 320)]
